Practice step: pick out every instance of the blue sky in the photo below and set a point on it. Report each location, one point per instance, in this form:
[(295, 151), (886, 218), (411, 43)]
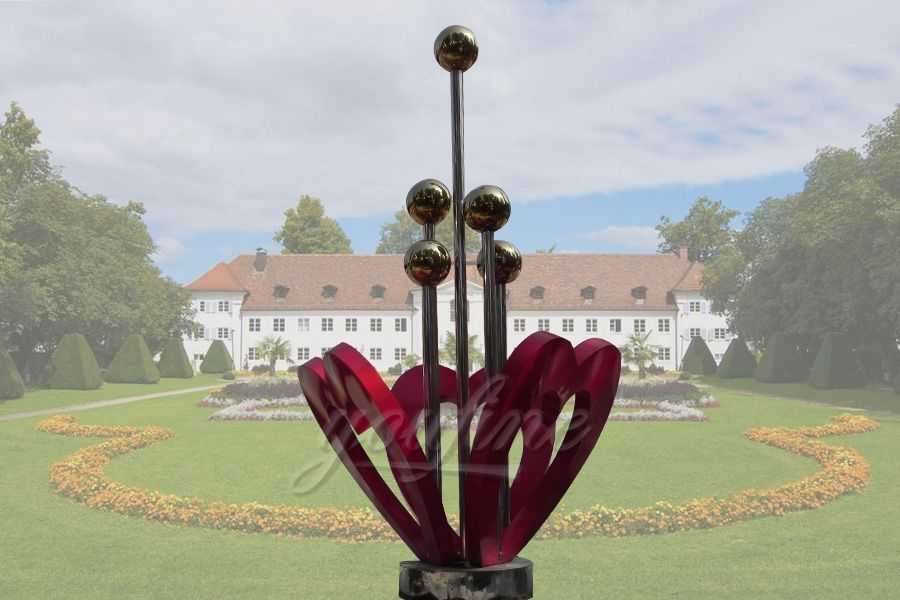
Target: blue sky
[(596, 117)]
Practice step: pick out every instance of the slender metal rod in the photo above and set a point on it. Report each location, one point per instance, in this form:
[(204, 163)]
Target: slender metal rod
[(500, 320), (459, 285), (430, 365), (490, 302)]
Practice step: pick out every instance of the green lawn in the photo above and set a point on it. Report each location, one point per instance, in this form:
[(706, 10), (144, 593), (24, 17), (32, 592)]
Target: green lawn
[(53, 547), (882, 399), (43, 399)]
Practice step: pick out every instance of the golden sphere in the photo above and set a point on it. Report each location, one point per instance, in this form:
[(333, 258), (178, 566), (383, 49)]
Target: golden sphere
[(455, 48), (509, 262), (487, 208), (428, 202), (427, 262)]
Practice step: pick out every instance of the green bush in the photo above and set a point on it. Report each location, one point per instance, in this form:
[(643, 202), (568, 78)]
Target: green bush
[(73, 365), (698, 359), (217, 359), (783, 361), (174, 360), (738, 361), (897, 383), (228, 375), (11, 384), (837, 365), (133, 363)]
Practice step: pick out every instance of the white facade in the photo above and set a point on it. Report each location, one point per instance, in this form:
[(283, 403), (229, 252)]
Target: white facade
[(386, 336)]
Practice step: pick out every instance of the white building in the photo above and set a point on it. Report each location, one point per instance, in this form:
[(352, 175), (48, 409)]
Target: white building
[(317, 301)]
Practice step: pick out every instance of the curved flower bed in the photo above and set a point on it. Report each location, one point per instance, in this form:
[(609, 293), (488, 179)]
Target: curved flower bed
[(81, 476)]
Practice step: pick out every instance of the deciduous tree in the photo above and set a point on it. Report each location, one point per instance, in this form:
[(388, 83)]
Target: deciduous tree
[(307, 230)]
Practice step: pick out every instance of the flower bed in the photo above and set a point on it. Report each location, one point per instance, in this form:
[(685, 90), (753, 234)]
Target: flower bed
[(81, 476)]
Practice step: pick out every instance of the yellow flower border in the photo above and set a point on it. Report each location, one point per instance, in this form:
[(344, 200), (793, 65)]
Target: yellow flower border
[(81, 476)]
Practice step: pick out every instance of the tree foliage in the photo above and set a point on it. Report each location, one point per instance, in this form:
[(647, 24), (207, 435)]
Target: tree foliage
[(133, 363), (272, 349), (448, 351), (73, 262), (306, 230), (73, 365), (174, 361), (639, 352), (398, 235), (11, 384), (704, 232)]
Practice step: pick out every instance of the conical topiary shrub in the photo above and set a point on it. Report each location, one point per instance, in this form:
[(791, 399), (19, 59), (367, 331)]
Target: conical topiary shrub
[(217, 359), (783, 361), (897, 382), (133, 363), (738, 361), (11, 384), (698, 359), (73, 365), (174, 360), (837, 365)]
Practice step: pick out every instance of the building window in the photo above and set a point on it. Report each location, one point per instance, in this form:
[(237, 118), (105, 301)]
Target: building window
[(255, 324), (664, 353), (224, 306), (543, 325), (375, 325), (251, 354), (615, 325), (202, 306), (350, 324), (640, 326), (519, 325), (374, 353), (720, 333), (663, 325), (400, 324), (278, 324), (399, 354), (222, 333), (198, 357), (695, 332), (568, 325), (201, 332), (302, 353), (590, 325), (694, 306), (325, 350), (718, 358), (327, 324), (303, 324)]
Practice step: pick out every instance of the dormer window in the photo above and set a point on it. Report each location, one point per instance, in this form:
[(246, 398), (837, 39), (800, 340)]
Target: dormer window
[(537, 292), (329, 292), (639, 294), (587, 293), (377, 292), (280, 292)]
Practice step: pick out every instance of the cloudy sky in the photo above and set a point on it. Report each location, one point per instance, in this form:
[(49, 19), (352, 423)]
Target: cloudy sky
[(595, 117)]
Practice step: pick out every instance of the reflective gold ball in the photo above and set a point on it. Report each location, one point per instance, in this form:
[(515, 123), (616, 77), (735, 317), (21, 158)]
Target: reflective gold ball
[(428, 202), (427, 262), (509, 262), (455, 48), (487, 208)]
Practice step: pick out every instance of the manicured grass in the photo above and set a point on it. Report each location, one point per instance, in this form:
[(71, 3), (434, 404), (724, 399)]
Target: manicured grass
[(882, 399), (42, 399), (53, 547)]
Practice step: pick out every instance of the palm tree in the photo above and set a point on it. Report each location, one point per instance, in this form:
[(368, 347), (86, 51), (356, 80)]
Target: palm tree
[(448, 351), (273, 349), (639, 353)]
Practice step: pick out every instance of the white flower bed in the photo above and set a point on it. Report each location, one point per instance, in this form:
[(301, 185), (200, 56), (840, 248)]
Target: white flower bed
[(262, 410)]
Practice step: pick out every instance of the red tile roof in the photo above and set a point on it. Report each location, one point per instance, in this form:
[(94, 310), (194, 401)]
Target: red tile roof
[(562, 276)]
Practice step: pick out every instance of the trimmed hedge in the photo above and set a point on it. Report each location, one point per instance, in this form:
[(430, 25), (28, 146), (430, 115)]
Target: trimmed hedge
[(73, 365), (783, 361), (11, 384), (174, 361), (217, 359), (738, 361), (698, 359), (133, 363), (837, 365), (897, 383)]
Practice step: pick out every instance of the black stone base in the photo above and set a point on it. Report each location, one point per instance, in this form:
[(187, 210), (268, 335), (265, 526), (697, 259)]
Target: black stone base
[(509, 581)]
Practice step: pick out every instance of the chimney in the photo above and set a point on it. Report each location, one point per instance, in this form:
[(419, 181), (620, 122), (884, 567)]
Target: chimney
[(262, 257)]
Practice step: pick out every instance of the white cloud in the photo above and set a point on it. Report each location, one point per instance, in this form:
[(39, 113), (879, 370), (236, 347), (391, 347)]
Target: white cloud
[(217, 116), (168, 250), (631, 238)]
